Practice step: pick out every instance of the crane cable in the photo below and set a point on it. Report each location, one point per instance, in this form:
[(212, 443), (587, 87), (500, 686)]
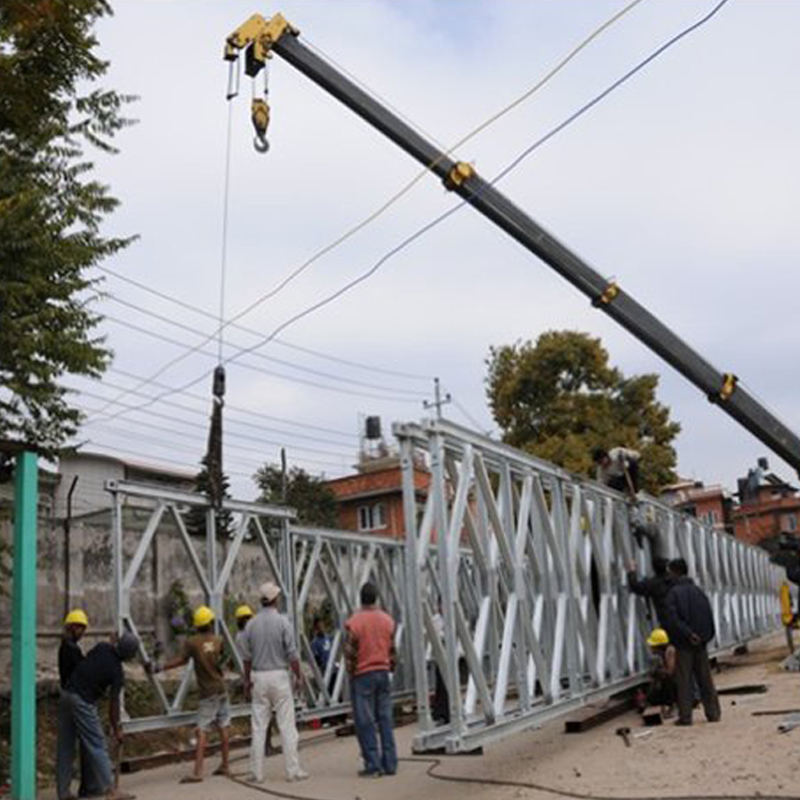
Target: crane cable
[(392, 200)]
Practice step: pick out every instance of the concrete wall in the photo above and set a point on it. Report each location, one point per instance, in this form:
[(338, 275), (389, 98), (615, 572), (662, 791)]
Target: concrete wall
[(84, 578)]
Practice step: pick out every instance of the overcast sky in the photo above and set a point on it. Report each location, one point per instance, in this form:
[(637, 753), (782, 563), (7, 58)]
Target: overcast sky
[(682, 185)]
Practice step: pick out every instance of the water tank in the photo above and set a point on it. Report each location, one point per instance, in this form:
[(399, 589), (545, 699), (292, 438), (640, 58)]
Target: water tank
[(373, 428)]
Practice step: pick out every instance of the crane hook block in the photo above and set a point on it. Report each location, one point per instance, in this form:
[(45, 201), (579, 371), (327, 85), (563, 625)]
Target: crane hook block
[(260, 116), (457, 175)]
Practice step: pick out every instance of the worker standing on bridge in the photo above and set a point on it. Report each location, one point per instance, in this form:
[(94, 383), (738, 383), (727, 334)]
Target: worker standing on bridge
[(204, 650), (269, 652), (370, 657), (618, 469), (690, 625), (99, 671)]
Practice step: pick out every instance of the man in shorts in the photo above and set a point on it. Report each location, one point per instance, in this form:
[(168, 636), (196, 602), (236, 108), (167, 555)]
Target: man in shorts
[(204, 650)]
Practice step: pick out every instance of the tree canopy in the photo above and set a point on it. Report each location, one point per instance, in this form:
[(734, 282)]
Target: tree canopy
[(51, 209), (559, 399), (314, 502)]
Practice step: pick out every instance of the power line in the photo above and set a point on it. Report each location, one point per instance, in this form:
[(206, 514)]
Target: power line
[(262, 356), (280, 342), (391, 201), (238, 409), (249, 426), (249, 367)]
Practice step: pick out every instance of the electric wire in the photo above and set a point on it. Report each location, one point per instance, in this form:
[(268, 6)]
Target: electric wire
[(442, 217), (281, 342), (392, 200), (243, 365), (248, 426), (320, 373), (238, 409)]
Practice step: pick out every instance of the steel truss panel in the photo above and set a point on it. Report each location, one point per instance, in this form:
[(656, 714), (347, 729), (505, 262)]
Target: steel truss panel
[(312, 566), (529, 576)]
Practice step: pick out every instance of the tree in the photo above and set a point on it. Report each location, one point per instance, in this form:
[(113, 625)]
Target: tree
[(196, 516), (314, 502), (51, 209), (559, 399)]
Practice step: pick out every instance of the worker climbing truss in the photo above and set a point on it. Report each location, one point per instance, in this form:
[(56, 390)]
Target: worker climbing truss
[(529, 578)]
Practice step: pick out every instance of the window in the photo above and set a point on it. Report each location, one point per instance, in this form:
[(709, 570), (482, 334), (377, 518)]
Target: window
[(791, 522), (372, 517), (711, 517)]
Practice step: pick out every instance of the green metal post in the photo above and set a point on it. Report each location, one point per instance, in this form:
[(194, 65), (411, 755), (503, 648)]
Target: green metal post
[(23, 652)]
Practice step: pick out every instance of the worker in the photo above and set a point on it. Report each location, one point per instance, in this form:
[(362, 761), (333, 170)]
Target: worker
[(440, 705), (618, 468), (243, 615), (689, 622), (269, 653), (204, 650), (321, 645), (100, 671), (370, 658), (653, 588), (69, 656), (662, 690)]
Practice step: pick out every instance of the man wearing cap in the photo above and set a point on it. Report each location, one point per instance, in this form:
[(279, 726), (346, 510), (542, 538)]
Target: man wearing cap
[(269, 651), (69, 656), (99, 671), (204, 650)]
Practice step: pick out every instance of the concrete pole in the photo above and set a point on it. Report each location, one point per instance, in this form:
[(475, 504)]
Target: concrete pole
[(23, 647)]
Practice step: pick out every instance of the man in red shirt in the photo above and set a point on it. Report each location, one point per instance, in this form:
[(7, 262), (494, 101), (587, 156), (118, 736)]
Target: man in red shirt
[(370, 658)]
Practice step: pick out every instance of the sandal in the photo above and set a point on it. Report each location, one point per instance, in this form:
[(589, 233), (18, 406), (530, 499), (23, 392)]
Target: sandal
[(222, 771), (190, 779)]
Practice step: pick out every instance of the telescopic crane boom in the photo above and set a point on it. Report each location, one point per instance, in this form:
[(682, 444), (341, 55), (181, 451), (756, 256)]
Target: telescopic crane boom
[(259, 37)]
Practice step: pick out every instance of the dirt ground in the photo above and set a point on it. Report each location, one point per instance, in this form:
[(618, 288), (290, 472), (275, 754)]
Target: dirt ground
[(742, 756)]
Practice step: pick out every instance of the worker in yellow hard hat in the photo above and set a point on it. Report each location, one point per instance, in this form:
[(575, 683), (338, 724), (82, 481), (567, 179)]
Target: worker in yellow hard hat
[(243, 615), (70, 655), (204, 650), (663, 688)]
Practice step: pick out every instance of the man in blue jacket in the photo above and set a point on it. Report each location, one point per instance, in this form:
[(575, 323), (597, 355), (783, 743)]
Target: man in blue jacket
[(689, 621)]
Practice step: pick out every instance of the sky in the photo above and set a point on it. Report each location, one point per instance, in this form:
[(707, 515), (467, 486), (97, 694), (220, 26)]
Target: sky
[(682, 185)]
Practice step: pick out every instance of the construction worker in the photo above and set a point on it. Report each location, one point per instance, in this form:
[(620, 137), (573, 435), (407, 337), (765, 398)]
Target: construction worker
[(662, 690), (370, 657), (243, 615), (689, 622), (100, 671), (618, 468), (269, 653), (69, 656), (654, 588), (204, 650)]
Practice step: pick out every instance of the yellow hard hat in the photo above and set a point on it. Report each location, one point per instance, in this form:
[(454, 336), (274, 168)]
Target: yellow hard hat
[(203, 616), (77, 617), (243, 612), (658, 637)]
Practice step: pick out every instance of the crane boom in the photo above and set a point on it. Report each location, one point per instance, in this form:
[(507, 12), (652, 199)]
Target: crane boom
[(259, 37)]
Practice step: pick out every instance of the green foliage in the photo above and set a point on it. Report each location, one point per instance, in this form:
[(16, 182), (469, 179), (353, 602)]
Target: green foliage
[(50, 211), (559, 399), (314, 502), (178, 609), (196, 517)]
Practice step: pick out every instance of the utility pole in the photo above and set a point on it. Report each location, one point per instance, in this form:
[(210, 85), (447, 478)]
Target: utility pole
[(439, 400), (23, 637)]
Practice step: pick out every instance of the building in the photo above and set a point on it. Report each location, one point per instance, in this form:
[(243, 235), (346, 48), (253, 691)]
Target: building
[(713, 505), (768, 506), (371, 500)]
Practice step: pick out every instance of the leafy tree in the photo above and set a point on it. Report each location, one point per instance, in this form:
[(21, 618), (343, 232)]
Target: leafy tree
[(314, 502), (51, 209), (559, 399), (196, 516)]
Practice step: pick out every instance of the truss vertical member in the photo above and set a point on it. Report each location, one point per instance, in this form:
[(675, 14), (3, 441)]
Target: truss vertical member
[(259, 37)]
